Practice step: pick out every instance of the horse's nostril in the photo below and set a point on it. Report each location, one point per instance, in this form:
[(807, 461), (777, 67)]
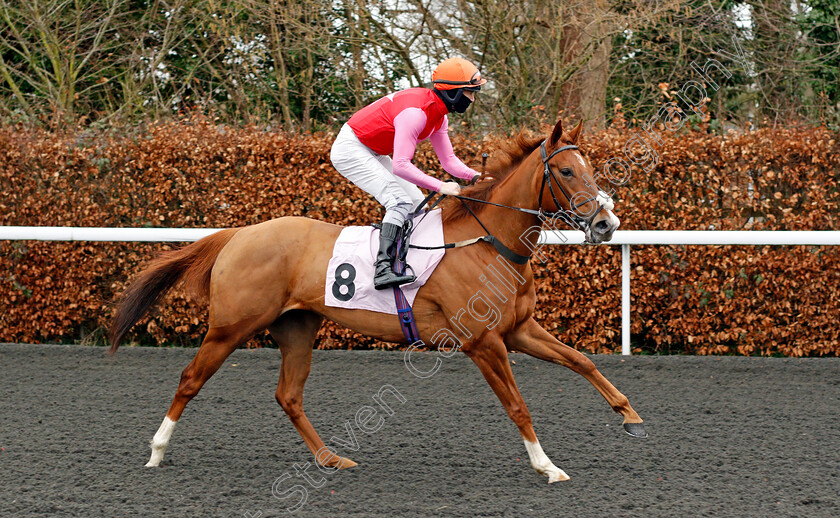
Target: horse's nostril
[(602, 226)]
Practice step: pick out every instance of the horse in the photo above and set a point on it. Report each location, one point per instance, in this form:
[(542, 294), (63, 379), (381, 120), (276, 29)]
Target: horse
[(271, 276)]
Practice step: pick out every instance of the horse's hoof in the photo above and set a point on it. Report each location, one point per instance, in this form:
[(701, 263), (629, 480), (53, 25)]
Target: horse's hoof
[(558, 476), (345, 463), (635, 430), (337, 462)]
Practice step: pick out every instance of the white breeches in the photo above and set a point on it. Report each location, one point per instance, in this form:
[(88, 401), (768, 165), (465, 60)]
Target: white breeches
[(372, 172)]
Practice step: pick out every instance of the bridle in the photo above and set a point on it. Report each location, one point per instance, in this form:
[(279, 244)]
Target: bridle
[(571, 217)]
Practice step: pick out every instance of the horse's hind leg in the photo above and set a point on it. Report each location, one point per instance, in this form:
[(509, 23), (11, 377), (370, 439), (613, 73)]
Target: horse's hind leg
[(216, 347), (294, 333), (530, 338)]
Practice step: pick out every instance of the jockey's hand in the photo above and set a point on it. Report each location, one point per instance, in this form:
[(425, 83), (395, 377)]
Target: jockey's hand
[(450, 189), (475, 178)]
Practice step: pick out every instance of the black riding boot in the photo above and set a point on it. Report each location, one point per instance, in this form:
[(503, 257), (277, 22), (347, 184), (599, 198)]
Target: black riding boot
[(385, 276)]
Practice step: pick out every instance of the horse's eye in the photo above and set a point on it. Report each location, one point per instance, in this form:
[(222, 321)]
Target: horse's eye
[(566, 172)]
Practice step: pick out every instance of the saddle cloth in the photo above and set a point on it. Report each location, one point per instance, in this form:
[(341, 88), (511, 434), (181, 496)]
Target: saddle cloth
[(349, 282)]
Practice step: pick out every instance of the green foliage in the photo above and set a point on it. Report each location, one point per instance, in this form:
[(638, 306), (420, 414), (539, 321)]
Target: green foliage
[(820, 23), (309, 64), (652, 61)]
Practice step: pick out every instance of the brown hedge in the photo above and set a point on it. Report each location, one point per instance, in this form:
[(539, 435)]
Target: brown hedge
[(193, 173)]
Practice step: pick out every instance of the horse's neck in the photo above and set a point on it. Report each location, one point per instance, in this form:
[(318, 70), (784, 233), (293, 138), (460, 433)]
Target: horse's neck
[(510, 226)]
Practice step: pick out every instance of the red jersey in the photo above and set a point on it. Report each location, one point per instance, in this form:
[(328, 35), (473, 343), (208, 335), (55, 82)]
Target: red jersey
[(374, 124)]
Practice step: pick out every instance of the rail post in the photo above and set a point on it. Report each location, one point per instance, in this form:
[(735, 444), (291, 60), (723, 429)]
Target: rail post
[(625, 300)]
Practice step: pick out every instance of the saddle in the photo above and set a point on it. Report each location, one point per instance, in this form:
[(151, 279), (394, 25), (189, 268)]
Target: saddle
[(349, 275), (349, 282)]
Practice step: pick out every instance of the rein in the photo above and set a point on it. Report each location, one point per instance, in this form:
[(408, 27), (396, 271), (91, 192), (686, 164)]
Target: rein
[(570, 216), (574, 220)]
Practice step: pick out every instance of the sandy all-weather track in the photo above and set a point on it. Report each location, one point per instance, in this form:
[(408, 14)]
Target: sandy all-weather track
[(729, 437)]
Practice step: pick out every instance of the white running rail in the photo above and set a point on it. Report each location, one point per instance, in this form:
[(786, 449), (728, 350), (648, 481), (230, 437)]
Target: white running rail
[(625, 238)]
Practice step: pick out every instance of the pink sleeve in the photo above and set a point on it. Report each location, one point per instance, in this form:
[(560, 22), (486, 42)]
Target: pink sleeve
[(407, 127), (443, 148)]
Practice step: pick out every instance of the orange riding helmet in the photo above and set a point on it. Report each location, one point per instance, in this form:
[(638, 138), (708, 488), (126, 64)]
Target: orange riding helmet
[(457, 73)]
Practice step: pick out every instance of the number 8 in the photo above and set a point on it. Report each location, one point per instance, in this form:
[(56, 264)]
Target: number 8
[(341, 280)]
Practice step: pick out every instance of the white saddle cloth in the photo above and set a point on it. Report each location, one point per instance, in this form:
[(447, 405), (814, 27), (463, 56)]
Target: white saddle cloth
[(349, 281)]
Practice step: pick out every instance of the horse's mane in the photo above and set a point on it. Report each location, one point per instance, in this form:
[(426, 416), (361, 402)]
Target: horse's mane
[(510, 154)]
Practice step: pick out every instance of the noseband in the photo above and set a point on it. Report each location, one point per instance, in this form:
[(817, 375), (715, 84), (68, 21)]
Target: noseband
[(571, 216)]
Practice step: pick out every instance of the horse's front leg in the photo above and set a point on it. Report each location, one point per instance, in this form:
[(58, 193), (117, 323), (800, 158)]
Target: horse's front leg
[(530, 338), (490, 355)]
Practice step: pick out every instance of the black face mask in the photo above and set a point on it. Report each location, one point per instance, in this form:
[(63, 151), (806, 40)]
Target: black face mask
[(454, 103), (462, 102)]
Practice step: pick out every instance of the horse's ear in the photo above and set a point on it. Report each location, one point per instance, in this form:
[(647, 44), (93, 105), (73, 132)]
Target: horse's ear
[(575, 133), (556, 134)]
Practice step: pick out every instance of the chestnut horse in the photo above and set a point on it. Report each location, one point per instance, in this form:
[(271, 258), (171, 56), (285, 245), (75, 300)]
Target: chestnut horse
[(272, 276)]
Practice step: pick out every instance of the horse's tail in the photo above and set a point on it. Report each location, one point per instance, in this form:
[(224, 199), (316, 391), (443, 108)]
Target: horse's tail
[(193, 263)]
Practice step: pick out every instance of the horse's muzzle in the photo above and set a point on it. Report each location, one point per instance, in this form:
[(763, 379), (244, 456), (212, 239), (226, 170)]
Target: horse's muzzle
[(602, 228)]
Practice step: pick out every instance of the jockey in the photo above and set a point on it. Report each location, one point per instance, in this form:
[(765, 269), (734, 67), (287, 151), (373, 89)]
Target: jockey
[(394, 125)]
